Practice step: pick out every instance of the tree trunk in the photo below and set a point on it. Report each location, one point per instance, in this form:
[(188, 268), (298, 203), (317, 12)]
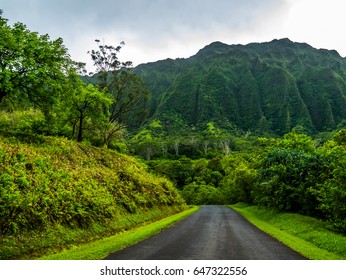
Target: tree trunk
[(2, 95), (80, 129)]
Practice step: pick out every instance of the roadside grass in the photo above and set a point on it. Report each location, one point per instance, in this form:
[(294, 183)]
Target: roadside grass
[(52, 240), (100, 249), (306, 235)]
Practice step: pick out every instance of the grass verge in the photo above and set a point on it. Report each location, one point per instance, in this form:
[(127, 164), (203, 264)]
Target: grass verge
[(100, 249), (306, 235), (52, 240)]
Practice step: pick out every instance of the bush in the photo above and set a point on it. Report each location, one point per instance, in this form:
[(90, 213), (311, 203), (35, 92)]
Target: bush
[(291, 181), (239, 180), (332, 196), (195, 194), (21, 122)]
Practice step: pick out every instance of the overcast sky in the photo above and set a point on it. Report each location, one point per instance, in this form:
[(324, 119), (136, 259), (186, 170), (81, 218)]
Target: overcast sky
[(159, 29)]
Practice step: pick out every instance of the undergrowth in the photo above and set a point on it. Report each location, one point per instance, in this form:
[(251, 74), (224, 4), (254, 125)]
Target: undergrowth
[(58, 192)]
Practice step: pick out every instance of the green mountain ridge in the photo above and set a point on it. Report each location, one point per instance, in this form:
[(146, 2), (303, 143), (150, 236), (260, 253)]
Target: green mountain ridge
[(269, 87)]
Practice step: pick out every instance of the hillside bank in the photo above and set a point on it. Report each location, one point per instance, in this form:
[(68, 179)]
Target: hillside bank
[(56, 193)]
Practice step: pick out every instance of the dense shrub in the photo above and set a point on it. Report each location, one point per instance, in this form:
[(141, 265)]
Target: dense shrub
[(295, 176), (239, 180), (333, 193), (196, 194), (291, 181)]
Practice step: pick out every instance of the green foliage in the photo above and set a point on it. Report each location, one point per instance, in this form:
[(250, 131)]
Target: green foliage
[(298, 177), (333, 192), (88, 103), (196, 194), (179, 171), (239, 180), (268, 88), (307, 235), (22, 122), (296, 142), (32, 67), (333, 197), (37, 72), (127, 90), (340, 137), (61, 183), (212, 130), (291, 181)]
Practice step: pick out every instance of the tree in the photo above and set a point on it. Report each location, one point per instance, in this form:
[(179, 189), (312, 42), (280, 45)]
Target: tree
[(291, 180), (88, 102), (239, 179), (295, 141), (128, 92), (32, 66), (224, 145), (340, 137), (333, 197), (176, 144), (205, 145), (195, 194)]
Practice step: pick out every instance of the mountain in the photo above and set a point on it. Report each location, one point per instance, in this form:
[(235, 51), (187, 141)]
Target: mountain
[(261, 87)]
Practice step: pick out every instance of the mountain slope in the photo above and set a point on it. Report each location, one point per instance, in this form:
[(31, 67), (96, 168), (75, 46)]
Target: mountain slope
[(263, 87)]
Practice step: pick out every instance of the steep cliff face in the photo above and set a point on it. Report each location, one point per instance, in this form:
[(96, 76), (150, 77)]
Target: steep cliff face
[(264, 87)]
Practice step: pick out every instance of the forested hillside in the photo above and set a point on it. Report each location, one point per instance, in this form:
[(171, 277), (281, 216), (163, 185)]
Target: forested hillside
[(269, 87)]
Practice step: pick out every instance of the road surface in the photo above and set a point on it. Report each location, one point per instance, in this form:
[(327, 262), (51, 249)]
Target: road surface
[(212, 233)]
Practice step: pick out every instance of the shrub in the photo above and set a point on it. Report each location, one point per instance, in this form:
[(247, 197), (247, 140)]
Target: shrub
[(196, 194)]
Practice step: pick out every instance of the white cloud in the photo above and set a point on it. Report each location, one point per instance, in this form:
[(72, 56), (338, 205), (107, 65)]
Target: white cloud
[(158, 29), (320, 23)]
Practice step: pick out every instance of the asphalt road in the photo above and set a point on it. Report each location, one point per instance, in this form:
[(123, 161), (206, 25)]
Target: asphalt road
[(212, 233)]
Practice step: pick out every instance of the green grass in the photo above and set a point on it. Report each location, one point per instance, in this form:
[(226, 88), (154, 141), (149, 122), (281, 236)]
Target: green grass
[(100, 249), (306, 235), (37, 243)]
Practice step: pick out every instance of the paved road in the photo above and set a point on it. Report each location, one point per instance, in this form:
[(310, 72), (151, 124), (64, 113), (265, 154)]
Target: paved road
[(212, 233)]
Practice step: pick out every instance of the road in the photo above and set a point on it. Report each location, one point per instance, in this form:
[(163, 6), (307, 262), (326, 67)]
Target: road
[(212, 233)]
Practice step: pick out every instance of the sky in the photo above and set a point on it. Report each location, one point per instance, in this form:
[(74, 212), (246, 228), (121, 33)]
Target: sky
[(158, 29)]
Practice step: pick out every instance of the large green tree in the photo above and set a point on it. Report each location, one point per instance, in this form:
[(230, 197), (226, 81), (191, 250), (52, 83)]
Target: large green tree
[(32, 66), (87, 102)]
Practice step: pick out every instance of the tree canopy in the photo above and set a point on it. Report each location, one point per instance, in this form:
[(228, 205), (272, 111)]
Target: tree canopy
[(32, 67)]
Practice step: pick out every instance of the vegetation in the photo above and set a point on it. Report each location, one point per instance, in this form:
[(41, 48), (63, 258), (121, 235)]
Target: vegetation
[(31, 64), (267, 88), (37, 74), (102, 248), (126, 90), (306, 235), (55, 191), (291, 174), (263, 124), (59, 185)]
